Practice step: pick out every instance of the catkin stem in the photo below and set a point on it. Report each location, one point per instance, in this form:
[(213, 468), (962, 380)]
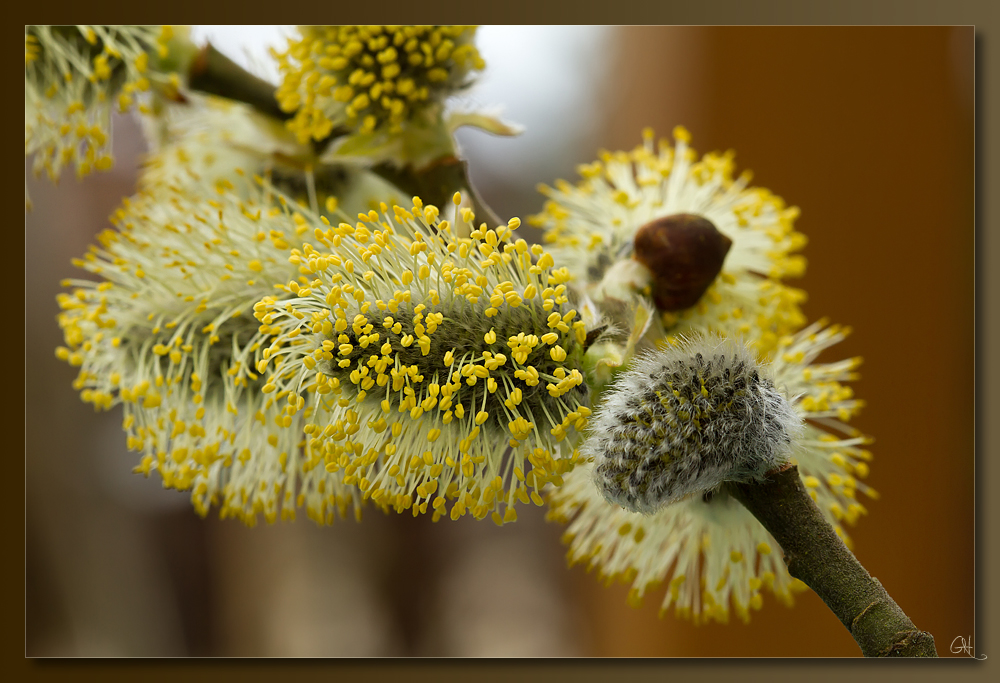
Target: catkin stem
[(818, 557), (436, 182), (214, 73)]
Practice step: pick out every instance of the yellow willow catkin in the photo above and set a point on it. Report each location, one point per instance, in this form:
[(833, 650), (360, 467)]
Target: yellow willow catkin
[(439, 368), (372, 79)]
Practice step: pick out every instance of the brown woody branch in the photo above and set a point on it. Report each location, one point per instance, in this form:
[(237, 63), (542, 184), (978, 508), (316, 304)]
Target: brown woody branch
[(818, 557)]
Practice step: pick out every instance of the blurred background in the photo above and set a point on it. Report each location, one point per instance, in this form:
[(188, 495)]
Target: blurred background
[(868, 130)]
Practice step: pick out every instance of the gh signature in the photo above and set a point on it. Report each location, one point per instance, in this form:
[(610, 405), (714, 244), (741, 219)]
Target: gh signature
[(962, 646)]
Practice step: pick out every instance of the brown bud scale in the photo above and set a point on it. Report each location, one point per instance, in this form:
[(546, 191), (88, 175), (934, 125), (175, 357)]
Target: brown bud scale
[(684, 253)]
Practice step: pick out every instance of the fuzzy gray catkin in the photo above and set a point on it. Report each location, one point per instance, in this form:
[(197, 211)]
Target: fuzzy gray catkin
[(685, 419)]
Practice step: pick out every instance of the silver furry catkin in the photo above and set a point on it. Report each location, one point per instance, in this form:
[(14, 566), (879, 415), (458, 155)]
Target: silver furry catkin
[(686, 419)]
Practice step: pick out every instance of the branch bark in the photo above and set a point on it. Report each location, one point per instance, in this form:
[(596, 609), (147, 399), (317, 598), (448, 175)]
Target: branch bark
[(818, 557)]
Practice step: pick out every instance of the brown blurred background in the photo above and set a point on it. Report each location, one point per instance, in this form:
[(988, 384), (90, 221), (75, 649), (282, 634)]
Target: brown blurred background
[(868, 130)]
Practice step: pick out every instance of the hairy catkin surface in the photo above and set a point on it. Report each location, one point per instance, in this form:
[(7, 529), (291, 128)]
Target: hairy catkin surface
[(686, 419)]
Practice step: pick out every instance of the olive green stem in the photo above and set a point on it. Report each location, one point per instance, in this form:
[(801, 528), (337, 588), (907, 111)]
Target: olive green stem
[(214, 73), (436, 182), (815, 555)]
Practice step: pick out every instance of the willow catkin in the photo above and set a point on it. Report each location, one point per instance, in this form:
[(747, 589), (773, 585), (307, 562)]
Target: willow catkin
[(686, 419)]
